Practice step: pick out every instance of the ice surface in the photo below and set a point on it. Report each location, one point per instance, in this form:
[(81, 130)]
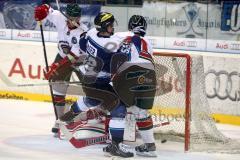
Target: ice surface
[(25, 135)]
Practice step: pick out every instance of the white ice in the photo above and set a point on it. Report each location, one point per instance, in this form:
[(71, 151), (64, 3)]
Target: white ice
[(25, 135)]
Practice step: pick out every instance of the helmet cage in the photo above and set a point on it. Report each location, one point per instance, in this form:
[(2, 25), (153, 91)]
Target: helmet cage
[(137, 24)]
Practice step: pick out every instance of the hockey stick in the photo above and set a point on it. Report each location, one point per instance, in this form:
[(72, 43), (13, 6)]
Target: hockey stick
[(59, 9), (47, 68), (58, 5), (9, 83), (80, 143), (159, 125)]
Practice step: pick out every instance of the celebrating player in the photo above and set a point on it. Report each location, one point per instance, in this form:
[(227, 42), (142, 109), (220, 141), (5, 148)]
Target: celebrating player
[(69, 31)]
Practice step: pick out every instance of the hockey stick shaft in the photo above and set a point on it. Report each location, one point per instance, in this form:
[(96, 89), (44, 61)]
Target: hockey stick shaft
[(45, 84), (47, 68), (57, 3), (9, 83), (59, 9)]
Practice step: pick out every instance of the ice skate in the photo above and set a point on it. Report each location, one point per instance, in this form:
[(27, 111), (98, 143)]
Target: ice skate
[(146, 150), (114, 149), (55, 130), (68, 116)]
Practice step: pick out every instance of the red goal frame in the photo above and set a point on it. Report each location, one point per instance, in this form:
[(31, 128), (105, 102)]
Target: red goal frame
[(187, 92)]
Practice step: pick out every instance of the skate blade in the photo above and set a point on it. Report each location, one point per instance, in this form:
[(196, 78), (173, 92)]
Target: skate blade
[(147, 154)]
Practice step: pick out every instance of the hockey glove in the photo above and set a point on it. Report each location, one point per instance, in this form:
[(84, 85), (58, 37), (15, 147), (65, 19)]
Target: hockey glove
[(41, 12), (59, 68)]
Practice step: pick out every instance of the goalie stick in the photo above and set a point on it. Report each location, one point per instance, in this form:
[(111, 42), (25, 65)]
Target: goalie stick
[(80, 143)]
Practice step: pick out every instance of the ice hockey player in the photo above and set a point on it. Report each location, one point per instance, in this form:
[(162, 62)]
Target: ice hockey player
[(69, 31), (139, 66), (101, 46), (135, 83)]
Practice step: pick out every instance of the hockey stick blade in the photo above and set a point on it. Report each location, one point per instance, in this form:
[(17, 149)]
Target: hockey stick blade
[(79, 143), (6, 80), (159, 125)]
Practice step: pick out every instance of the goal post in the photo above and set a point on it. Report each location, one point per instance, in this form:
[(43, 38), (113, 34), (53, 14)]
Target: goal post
[(187, 59), (186, 102)]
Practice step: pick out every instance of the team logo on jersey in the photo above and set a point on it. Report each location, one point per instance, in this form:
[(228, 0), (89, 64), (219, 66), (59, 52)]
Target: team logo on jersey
[(141, 80), (74, 40), (91, 50)]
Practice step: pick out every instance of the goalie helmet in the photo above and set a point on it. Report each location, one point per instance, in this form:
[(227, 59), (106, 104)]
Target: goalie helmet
[(103, 20), (73, 10), (137, 24)]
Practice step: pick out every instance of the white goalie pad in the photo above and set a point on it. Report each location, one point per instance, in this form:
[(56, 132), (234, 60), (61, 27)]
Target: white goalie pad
[(83, 134), (130, 128)]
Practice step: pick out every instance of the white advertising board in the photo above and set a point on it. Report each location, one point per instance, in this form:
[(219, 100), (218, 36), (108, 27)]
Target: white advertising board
[(5, 33), (185, 43), (22, 62), (222, 80), (29, 35), (223, 46)]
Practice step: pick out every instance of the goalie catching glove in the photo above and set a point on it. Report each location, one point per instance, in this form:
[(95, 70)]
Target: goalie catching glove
[(41, 12)]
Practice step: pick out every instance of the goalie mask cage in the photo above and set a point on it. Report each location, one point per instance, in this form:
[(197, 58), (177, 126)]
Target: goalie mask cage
[(182, 101)]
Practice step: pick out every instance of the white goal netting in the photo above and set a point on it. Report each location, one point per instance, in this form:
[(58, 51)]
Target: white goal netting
[(190, 116)]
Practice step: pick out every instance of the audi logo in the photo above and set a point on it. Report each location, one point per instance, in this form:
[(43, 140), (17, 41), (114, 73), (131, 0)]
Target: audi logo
[(235, 46), (36, 35), (191, 44), (223, 85), (152, 41), (2, 33)]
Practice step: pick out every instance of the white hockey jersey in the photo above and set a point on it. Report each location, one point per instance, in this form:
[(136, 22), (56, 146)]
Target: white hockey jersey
[(66, 37), (138, 50), (100, 51)]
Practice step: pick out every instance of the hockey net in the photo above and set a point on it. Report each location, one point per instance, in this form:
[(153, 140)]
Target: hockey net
[(184, 104)]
